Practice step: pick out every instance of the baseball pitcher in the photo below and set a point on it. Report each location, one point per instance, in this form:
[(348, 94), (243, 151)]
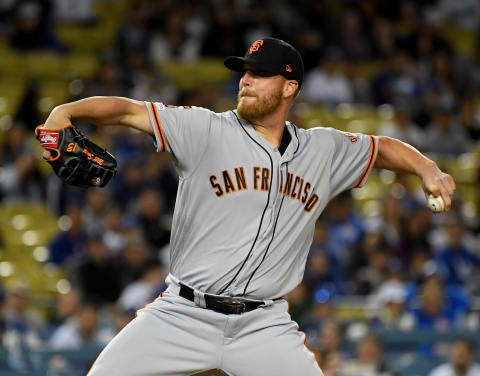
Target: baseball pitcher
[(251, 187)]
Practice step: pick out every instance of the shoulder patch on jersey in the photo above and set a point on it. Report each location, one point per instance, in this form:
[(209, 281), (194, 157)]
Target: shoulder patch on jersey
[(160, 106), (351, 136)]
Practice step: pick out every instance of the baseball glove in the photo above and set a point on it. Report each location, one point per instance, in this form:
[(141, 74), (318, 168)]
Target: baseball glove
[(75, 159)]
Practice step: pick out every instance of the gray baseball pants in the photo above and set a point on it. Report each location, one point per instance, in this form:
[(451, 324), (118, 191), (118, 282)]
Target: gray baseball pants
[(173, 336)]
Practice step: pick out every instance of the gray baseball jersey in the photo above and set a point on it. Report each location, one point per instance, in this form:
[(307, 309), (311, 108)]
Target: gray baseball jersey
[(245, 214), (243, 225)]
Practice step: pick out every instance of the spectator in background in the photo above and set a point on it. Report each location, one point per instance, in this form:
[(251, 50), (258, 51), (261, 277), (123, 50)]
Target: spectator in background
[(474, 68), (368, 361), (403, 128), (369, 244), (67, 305), (416, 228), (150, 85), (207, 95), (322, 310), (81, 331), (28, 113), (353, 39), (439, 82), (107, 81), (396, 84), (114, 233), (464, 14), (322, 266), (222, 37), (360, 83), (127, 147), (457, 263), (329, 353), (383, 38), (391, 225), (68, 242), (21, 328), (439, 309), (469, 117), (94, 211), (133, 259), (419, 261), (299, 301), (76, 12), (327, 85), (174, 42), (32, 29), (133, 34), (96, 276), (130, 183), (424, 40), (370, 277), (20, 178), (322, 269), (344, 225), (159, 173), (389, 305), (142, 291), (445, 135), (412, 196), (406, 18), (462, 362), (152, 219)]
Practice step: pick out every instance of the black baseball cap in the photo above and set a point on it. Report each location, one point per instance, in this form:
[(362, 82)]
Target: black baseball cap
[(270, 55)]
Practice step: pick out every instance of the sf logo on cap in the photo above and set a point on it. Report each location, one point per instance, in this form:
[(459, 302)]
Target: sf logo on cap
[(255, 46)]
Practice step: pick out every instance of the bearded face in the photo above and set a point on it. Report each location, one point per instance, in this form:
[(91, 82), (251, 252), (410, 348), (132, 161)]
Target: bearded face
[(251, 106)]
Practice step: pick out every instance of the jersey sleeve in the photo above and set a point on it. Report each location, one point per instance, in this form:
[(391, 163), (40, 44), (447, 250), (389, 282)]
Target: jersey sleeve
[(181, 131), (353, 158)]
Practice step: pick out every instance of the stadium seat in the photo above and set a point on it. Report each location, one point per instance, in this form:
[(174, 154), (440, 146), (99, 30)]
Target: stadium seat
[(23, 229), (190, 75), (12, 90), (80, 66), (43, 65)]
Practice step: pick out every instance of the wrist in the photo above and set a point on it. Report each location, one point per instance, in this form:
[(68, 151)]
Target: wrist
[(58, 118), (421, 169)]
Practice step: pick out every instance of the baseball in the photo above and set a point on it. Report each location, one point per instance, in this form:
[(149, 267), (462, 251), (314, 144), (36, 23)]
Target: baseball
[(436, 204)]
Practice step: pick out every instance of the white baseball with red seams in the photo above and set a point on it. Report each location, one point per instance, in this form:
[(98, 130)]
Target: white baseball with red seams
[(242, 227), (436, 204)]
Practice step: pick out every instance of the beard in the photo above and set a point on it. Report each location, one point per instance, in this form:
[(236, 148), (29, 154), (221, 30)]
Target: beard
[(262, 106)]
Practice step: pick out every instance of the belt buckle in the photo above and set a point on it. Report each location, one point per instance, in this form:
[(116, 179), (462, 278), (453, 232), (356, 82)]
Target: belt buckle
[(237, 306)]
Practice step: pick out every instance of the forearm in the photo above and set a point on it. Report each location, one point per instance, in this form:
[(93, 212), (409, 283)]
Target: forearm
[(398, 156), (102, 111)]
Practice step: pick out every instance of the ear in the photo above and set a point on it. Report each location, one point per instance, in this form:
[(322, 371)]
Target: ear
[(290, 88)]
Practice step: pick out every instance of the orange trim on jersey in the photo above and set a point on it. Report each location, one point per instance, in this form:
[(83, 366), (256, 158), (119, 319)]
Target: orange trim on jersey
[(373, 150), (159, 127)]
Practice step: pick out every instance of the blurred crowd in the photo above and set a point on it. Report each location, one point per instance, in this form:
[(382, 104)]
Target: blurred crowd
[(408, 269)]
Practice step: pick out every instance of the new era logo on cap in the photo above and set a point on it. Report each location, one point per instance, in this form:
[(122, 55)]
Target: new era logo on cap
[(288, 69)]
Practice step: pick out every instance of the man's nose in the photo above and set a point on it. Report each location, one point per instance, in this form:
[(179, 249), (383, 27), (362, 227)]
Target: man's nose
[(246, 79)]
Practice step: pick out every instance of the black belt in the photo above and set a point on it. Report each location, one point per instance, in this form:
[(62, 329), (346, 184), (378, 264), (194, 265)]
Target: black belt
[(224, 304)]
